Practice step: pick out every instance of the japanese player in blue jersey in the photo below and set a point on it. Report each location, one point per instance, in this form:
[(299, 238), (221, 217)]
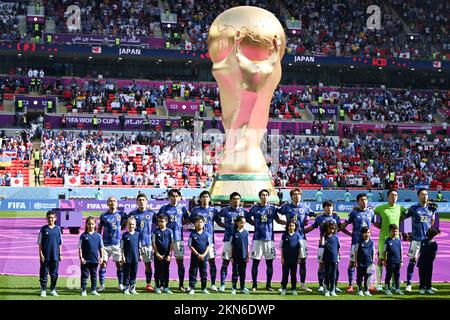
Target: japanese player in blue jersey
[(393, 259), (50, 243), (422, 218), (298, 212), (199, 245), (428, 252), (359, 217), (229, 214), (144, 225), (91, 254), (210, 214), (110, 224), (130, 245), (261, 216), (177, 216), (319, 221), (162, 241)]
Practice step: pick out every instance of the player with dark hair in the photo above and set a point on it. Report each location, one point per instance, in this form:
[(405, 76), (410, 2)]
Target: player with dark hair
[(177, 216), (297, 211), (388, 213), (319, 221), (422, 217), (262, 215), (144, 225), (110, 224), (209, 214), (360, 217), (229, 214)]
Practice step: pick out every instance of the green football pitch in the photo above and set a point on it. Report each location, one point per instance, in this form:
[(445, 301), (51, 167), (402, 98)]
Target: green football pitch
[(27, 288)]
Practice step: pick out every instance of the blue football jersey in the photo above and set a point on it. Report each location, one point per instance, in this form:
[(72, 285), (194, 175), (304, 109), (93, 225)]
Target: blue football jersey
[(90, 245), (162, 240), (360, 219), (297, 213), (263, 218), (110, 222), (50, 239), (144, 225), (420, 221), (209, 214), (229, 214), (175, 215)]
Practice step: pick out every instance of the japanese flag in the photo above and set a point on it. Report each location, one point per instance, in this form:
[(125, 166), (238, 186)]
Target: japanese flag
[(17, 182), (132, 151), (106, 177), (71, 181)]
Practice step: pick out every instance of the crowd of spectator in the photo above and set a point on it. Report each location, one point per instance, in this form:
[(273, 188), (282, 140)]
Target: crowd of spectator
[(114, 17), (168, 160), (429, 22), (364, 162), (410, 29), (364, 104), (108, 96), (9, 21), (16, 147), (164, 162), (395, 106)]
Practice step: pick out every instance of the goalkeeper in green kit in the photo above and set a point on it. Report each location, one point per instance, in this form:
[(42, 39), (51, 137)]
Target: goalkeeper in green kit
[(389, 213)]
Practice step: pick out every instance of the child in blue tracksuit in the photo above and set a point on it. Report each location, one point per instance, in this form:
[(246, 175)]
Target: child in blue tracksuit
[(50, 243), (162, 242), (330, 258), (427, 255), (239, 254), (364, 258), (199, 245), (91, 254), (130, 246), (393, 259), (290, 255)]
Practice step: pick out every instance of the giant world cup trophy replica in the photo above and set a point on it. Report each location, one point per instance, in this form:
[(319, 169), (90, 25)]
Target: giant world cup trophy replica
[(246, 45)]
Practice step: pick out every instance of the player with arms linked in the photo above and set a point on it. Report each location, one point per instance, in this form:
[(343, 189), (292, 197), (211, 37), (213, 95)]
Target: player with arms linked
[(177, 216), (298, 212)]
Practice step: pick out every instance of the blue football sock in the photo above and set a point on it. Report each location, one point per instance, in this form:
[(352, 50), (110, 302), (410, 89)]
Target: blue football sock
[(102, 275)]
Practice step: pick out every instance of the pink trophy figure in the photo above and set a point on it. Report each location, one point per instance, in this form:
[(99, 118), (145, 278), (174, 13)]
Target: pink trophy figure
[(246, 45)]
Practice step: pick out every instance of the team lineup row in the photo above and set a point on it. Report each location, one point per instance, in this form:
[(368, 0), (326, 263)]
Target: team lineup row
[(155, 237)]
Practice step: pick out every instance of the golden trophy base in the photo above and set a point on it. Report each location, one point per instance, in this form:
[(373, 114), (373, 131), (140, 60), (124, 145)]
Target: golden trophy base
[(247, 185)]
